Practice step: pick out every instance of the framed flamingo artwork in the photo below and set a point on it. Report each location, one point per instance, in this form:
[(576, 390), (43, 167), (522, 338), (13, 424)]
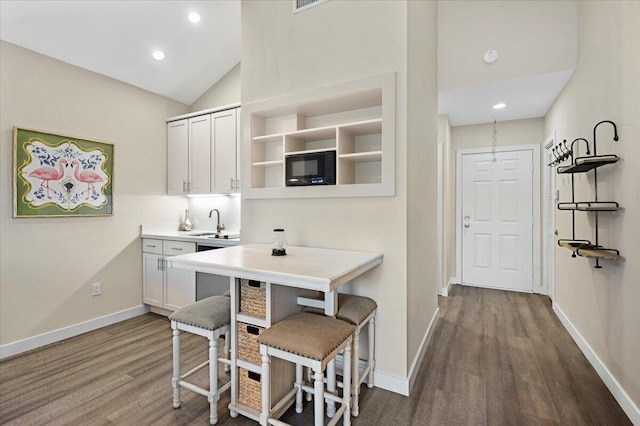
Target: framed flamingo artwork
[(61, 176)]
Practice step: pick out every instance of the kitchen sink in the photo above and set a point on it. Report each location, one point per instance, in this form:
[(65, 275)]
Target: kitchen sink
[(203, 234)]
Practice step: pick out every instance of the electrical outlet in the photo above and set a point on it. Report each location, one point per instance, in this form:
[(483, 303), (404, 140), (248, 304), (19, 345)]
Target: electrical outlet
[(96, 289)]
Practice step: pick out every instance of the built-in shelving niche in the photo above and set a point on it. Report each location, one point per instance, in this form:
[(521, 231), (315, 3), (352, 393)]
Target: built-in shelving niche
[(355, 119), (583, 247)]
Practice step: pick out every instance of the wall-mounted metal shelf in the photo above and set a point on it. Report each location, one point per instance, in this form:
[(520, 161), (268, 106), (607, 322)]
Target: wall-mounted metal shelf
[(584, 164), (586, 248), (599, 253), (590, 206)]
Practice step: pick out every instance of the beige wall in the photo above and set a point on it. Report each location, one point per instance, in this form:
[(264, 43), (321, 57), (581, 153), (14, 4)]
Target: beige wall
[(422, 166), (226, 91), (602, 304), (284, 53), (47, 266), (467, 29), (515, 132)]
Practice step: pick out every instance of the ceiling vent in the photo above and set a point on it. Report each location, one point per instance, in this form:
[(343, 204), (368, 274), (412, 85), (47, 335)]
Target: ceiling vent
[(300, 5)]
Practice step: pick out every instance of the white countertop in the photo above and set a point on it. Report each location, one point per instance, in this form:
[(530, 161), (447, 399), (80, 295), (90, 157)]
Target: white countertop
[(302, 267), (170, 232)]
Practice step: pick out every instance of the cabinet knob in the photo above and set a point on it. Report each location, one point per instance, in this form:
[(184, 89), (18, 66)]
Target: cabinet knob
[(466, 225), (176, 248)]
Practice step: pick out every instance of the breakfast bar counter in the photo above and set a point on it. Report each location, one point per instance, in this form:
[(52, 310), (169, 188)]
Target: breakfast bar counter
[(303, 267), (266, 289)]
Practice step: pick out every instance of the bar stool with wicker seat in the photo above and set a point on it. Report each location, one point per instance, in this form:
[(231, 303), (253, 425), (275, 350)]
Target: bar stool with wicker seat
[(210, 318), (359, 311), (310, 341)]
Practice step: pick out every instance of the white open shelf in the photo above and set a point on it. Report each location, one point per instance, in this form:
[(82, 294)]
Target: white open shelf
[(355, 119)]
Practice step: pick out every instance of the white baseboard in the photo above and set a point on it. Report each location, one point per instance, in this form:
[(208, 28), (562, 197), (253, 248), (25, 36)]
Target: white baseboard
[(444, 291), (627, 404), (14, 348), (417, 361)]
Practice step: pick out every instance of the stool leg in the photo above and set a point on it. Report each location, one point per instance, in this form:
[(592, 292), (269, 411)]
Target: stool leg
[(176, 367), (372, 339), (331, 387), (346, 391), (213, 380), (299, 388), (309, 379), (355, 373), (318, 394), (227, 350), (266, 396)]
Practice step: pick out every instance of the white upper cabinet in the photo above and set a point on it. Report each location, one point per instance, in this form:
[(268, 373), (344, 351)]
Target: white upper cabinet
[(203, 153), (178, 157), (224, 177), (199, 155)]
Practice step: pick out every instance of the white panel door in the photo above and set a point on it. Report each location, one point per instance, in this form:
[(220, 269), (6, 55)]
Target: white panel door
[(200, 155), (223, 130), (497, 220)]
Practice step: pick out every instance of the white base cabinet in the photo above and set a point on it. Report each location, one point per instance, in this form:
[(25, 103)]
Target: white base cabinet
[(163, 287)]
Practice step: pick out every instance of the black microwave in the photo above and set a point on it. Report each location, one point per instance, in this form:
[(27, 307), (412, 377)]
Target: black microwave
[(314, 168)]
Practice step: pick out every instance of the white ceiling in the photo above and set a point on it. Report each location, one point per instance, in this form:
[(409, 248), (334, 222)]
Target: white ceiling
[(528, 97), (116, 39)]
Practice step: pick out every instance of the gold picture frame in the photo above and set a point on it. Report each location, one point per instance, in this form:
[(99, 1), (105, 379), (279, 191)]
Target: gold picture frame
[(61, 176)]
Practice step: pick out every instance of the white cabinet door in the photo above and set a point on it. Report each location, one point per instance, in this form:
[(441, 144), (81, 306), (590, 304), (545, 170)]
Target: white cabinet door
[(200, 155), (180, 288), (177, 157), (152, 279), (179, 285), (224, 132)]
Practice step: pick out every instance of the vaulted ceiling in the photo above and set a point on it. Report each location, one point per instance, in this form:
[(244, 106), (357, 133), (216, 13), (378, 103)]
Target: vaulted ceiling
[(535, 40)]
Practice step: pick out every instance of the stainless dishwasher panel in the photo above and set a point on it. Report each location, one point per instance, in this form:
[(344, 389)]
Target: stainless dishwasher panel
[(208, 285)]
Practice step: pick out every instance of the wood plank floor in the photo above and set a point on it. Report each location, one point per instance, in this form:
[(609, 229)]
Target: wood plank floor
[(495, 358)]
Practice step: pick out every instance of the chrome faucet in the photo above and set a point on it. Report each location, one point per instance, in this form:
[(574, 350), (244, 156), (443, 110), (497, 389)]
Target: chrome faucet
[(219, 227)]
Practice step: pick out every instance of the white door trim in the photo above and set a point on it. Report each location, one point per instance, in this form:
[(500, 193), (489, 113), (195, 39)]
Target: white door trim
[(535, 152), (439, 206), (551, 288)]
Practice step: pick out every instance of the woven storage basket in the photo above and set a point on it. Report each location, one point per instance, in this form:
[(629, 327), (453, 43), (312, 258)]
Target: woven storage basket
[(250, 389), (248, 346), (253, 298)]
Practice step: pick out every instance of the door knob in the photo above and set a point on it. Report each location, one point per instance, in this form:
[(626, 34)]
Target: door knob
[(466, 225)]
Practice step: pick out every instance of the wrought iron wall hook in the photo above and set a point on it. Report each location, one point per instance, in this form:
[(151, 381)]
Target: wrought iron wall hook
[(557, 160), (566, 153), (615, 133), (580, 139)]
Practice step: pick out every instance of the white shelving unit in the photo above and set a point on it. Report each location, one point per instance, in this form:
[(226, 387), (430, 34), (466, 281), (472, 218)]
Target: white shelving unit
[(355, 119)]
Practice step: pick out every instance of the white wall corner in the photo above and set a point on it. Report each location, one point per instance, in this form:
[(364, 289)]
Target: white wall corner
[(15, 348), (627, 404)]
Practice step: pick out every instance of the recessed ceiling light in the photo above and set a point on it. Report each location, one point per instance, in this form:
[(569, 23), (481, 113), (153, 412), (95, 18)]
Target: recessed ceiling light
[(158, 55), (499, 105), (194, 17)]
